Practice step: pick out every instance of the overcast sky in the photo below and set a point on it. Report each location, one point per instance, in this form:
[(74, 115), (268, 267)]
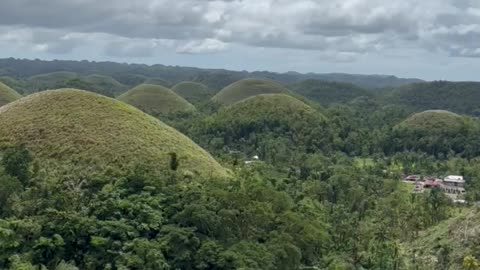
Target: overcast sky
[(429, 39)]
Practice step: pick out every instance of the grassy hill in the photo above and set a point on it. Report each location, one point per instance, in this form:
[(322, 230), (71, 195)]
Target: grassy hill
[(246, 88), (192, 91), (433, 121), (155, 100), (7, 94), (105, 83), (459, 97), (326, 92), (97, 83), (50, 80), (158, 81), (81, 134), (274, 107)]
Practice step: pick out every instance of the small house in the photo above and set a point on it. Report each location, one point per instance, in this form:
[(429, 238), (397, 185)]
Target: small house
[(453, 184)]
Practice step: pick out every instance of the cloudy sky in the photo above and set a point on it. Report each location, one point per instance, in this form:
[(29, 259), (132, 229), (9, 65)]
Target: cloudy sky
[(429, 39)]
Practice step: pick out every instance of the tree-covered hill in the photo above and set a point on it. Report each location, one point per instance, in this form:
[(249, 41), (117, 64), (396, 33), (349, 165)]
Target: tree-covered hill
[(459, 97), (325, 92), (269, 125), (438, 133)]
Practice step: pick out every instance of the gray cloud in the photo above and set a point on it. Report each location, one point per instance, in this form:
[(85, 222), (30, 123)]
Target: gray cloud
[(342, 27)]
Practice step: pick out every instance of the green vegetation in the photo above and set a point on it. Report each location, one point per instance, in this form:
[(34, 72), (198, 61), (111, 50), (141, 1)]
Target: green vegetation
[(87, 134), (326, 93), (100, 84), (156, 100), (158, 81), (438, 133), (312, 182), (50, 80), (7, 94), (243, 89), (433, 121), (104, 83), (192, 91), (273, 126), (458, 97), (449, 243)]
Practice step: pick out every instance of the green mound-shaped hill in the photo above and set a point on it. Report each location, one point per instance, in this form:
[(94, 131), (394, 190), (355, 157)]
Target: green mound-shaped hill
[(246, 88), (268, 125), (74, 133), (50, 80), (192, 91), (433, 121), (158, 81), (437, 132), (7, 94), (104, 81), (155, 100), (326, 92), (274, 108)]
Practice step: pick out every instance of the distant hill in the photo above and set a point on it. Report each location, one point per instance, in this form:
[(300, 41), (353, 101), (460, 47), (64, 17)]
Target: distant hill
[(192, 91), (104, 82), (158, 81), (13, 83), (85, 134), (459, 97), (433, 121), (155, 100), (7, 94), (215, 79), (246, 88), (49, 80), (101, 84), (326, 92)]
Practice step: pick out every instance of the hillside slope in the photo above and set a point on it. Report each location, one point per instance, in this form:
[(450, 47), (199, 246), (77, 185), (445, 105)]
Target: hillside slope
[(192, 91), (326, 92), (7, 94), (246, 88), (77, 133)]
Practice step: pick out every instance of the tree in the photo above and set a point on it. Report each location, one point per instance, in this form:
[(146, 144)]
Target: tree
[(16, 161)]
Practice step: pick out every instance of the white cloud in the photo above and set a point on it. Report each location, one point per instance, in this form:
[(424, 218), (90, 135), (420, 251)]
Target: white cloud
[(343, 27), (202, 46)]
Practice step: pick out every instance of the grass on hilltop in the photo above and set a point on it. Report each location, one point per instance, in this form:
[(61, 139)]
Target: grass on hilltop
[(156, 100), (74, 133), (192, 91), (246, 88), (158, 81), (433, 121)]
